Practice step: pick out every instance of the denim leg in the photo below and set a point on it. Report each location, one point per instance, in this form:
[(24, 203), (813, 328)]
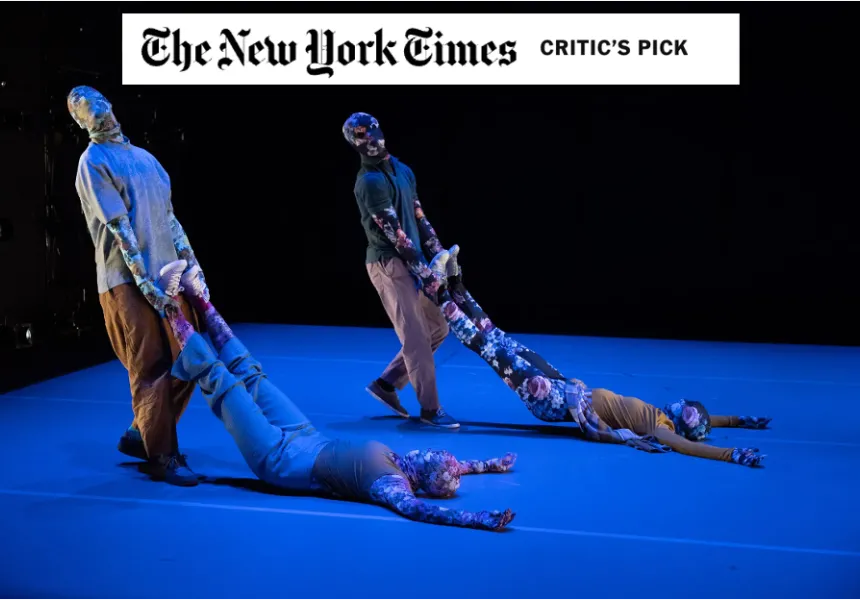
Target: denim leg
[(278, 408), (289, 463), (257, 439)]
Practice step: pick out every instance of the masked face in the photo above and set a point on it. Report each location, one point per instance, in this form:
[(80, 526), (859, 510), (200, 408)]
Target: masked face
[(691, 419), (437, 472), (362, 132), (93, 112)]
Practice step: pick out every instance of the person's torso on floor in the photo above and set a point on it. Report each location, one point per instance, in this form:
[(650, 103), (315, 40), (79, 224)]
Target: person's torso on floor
[(399, 180), (625, 412), (348, 469), (144, 188)]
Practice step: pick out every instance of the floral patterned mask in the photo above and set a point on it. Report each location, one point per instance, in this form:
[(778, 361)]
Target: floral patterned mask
[(691, 419), (437, 472), (93, 112), (362, 132)]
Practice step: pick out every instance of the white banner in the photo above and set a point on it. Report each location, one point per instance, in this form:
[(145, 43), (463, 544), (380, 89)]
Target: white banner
[(431, 49)]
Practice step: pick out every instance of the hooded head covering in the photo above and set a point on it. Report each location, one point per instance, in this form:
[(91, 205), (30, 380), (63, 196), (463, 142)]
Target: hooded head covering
[(362, 132), (437, 472), (691, 419), (92, 111)]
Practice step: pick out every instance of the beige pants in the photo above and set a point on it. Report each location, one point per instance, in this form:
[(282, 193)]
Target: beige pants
[(419, 325)]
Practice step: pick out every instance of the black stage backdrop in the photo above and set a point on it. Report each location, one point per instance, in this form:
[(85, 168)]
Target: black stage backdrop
[(682, 212)]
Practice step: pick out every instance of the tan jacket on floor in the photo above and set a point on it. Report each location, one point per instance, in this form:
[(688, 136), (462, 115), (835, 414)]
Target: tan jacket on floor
[(625, 412)]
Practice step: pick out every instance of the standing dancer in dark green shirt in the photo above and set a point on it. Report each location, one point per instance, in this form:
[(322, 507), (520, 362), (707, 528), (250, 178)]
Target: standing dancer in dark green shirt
[(388, 202)]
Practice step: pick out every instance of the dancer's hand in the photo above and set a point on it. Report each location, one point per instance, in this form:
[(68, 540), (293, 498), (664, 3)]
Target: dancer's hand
[(157, 298), (754, 422), (494, 520), (748, 457), (507, 461)]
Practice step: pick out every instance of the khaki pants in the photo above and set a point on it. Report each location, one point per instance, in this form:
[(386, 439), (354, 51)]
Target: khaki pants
[(145, 346), (419, 325)]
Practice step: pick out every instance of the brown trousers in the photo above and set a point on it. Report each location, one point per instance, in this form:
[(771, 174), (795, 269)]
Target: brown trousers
[(419, 325), (145, 346)]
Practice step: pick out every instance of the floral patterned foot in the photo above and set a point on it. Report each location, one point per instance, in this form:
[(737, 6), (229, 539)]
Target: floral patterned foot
[(439, 265), (453, 265), (169, 278), (194, 285)]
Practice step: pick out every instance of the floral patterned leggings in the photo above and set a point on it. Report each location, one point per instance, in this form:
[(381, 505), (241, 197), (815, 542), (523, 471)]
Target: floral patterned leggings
[(538, 384)]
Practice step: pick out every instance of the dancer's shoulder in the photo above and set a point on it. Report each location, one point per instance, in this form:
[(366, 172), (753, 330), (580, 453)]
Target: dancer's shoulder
[(371, 182)]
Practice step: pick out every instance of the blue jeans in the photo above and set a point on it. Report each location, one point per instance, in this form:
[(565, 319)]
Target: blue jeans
[(277, 441)]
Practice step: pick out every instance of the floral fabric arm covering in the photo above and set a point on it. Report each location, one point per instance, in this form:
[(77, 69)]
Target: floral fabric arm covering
[(395, 492), (389, 223), (494, 465), (429, 239), (740, 422), (184, 251), (754, 422), (747, 457), (121, 228)]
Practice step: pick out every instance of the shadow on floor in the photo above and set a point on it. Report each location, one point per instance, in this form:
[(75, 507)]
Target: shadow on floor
[(414, 425)]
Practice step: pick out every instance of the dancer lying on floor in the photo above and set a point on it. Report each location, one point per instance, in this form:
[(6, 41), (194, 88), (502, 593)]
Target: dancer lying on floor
[(283, 448), (602, 415)]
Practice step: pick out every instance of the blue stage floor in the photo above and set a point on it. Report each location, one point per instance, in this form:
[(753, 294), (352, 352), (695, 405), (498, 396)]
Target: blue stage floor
[(593, 520)]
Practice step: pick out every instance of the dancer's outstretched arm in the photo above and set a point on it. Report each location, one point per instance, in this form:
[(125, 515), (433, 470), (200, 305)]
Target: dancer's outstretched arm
[(430, 243), (747, 457), (494, 465), (429, 240), (395, 492), (741, 422)]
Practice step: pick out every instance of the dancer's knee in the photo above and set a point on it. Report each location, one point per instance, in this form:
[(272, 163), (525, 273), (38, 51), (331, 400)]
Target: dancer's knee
[(240, 362), (217, 384)]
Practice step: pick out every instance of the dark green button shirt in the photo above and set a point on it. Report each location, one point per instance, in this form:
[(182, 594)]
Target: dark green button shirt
[(385, 184)]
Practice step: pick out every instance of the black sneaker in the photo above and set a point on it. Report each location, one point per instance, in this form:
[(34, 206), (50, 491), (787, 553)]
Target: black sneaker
[(389, 399), (439, 418), (173, 470), (131, 444)]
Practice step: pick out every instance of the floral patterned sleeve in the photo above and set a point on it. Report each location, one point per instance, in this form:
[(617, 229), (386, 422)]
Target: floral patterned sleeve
[(742, 422), (387, 220), (121, 228), (184, 250), (429, 239), (494, 465), (395, 492)]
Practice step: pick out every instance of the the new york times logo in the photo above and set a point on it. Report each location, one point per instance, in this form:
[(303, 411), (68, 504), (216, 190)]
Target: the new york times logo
[(421, 47)]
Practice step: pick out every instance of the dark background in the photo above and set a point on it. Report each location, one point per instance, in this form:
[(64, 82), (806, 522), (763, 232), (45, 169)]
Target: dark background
[(725, 213)]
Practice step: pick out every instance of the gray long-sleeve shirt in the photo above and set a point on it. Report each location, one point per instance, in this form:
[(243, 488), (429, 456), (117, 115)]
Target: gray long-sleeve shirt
[(116, 179)]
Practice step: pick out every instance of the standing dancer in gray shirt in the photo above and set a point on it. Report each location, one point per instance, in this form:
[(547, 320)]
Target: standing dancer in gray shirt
[(125, 196)]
